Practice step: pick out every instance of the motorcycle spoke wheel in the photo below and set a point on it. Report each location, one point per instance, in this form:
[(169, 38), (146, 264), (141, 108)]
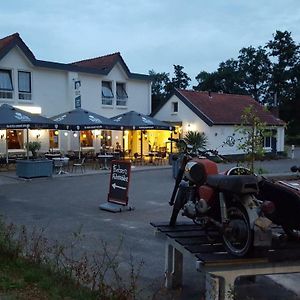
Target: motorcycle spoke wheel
[(238, 236)]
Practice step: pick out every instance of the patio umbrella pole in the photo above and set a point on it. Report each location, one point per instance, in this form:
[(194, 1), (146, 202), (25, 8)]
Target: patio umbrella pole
[(27, 142), (142, 144), (123, 141), (6, 146), (79, 154)]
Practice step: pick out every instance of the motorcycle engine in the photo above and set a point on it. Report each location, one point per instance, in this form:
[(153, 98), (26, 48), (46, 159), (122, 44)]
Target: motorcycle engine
[(189, 210), (195, 209)]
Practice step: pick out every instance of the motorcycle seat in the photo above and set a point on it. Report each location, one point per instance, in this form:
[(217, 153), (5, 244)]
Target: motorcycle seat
[(238, 184)]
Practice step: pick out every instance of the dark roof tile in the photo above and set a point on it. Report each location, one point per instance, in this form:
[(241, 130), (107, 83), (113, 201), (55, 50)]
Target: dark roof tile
[(225, 109)]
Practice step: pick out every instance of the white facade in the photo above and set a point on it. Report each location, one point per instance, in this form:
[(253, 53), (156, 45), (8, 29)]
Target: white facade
[(216, 134), (53, 92)]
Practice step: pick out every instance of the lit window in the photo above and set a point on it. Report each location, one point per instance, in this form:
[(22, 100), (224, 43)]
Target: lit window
[(121, 94), (6, 86), (86, 138), (175, 107), (107, 93), (53, 139), (15, 139), (24, 81)]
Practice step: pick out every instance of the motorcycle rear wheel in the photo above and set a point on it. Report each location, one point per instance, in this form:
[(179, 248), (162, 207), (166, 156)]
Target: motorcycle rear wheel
[(238, 236)]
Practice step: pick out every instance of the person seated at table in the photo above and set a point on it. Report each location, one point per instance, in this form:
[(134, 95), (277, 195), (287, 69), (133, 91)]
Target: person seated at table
[(118, 147)]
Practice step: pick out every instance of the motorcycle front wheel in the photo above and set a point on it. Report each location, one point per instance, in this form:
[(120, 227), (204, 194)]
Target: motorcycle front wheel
[(238, 235)]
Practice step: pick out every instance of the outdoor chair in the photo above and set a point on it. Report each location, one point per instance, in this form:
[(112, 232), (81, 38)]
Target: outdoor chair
[(138, 160), (58, 165), (160, 158), (80, 165)]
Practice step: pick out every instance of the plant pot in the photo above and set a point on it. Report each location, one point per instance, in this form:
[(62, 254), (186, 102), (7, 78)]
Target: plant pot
[(34, 168)]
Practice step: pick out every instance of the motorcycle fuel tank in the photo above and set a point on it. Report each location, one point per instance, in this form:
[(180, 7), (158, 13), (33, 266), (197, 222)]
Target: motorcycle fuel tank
[(198, 169)]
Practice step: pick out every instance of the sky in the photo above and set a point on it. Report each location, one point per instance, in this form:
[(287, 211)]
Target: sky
[(149, 34)]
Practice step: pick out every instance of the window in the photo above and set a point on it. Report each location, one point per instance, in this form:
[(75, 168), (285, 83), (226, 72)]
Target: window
[(268, 136), (106, 140), (86, 138), (107, 93), (121, 94), (24, 81), (15, 139), (6, 86), (53, 139), (174, 107)]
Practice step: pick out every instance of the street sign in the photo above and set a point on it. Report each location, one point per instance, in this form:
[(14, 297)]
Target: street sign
[(119, 182)]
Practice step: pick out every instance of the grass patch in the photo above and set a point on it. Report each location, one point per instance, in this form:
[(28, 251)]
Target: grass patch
[(23, 280), (31, 267)]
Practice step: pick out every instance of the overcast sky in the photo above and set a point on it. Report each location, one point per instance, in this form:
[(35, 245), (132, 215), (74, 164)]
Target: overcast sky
[(150, 34)]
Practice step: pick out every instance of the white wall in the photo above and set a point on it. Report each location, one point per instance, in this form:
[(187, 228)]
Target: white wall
[(216, 134), (53, 91)]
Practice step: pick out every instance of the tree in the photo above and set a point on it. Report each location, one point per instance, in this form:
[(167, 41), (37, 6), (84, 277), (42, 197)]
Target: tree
[(225, 79), (158, 88), (207, 82), (252, 131), (285, 54), (284, 83), (254, 69), (180, 80)]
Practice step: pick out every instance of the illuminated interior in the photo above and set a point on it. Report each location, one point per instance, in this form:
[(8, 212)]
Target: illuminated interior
[(86, 138), (15, 139), (145, 141), (53, 139)]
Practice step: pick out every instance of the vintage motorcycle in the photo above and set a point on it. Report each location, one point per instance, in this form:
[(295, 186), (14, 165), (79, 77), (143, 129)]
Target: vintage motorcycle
[(218, 201), (280, 200)]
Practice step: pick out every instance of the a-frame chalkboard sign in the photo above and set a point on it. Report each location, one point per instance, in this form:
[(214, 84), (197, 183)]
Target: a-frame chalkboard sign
[(117, 198)]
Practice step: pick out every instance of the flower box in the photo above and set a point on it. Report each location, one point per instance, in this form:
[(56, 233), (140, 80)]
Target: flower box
[(34, 168)]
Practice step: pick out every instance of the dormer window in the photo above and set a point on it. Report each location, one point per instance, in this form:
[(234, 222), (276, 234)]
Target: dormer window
[(107, 93), (6, 86), (24, 82), (121, 94)]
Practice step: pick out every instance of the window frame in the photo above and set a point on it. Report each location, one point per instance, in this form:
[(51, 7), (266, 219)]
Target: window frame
[(25, 94), (9, 72), (121, 99), (175, 107), (107, 100), (23, 91)]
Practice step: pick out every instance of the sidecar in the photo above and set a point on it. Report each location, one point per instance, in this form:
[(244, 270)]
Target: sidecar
[(285, 195)]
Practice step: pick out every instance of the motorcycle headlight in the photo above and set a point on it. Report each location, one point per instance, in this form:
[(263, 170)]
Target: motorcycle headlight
[(195, 172)]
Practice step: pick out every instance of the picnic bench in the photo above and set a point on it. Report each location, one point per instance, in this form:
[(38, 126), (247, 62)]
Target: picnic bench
[(220, 268)]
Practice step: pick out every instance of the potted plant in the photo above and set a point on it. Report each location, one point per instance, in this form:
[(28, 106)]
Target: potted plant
[(194, 138), (33, 147), (30, 168)]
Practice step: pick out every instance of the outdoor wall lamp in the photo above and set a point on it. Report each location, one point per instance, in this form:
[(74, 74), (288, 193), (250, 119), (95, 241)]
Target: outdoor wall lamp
[(56, 132), (38, 135), (75, 134), (2, 136), (66, 133)]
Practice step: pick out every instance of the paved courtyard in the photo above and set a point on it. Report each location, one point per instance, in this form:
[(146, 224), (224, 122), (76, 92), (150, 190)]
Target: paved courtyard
[(63, 204)]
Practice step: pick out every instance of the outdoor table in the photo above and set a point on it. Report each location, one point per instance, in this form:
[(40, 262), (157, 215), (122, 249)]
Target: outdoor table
[(61, 162), (52, 155), (105, 157), (151, 155)]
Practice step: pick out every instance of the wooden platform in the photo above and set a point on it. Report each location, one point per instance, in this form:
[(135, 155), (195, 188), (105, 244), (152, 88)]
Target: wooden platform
[(212, 258)]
